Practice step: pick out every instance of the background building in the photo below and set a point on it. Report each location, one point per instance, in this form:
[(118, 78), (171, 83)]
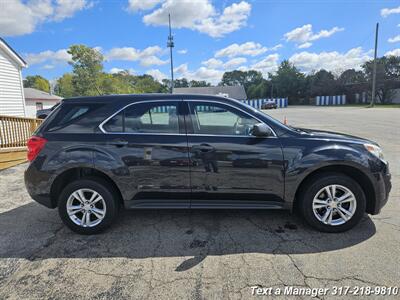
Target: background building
[(36, 100)]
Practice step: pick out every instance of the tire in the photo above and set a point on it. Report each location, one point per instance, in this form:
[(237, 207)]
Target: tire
[(314, 195), (101, 214)]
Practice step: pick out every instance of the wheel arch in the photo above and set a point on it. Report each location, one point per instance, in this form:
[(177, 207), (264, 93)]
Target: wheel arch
[(75, 173), (357, 175)]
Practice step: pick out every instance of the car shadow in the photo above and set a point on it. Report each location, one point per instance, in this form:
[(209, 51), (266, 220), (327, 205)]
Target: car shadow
[(34, 232)]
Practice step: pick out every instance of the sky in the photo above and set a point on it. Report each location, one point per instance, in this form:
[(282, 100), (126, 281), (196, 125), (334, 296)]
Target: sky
[(210, 37)]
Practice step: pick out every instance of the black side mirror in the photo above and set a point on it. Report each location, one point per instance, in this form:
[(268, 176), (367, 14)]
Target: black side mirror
[(260, 129)]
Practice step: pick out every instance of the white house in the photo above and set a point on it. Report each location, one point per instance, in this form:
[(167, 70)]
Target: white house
[(12, 102), (36, 100)]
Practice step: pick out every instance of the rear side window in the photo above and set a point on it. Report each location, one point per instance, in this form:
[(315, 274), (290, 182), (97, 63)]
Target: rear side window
[(73, 113), (69, 114), (152, 117)]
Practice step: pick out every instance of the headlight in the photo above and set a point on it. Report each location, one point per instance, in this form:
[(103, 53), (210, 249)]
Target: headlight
[(375, 150)]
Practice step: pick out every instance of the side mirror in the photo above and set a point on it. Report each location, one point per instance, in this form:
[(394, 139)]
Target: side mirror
[(261, 129)]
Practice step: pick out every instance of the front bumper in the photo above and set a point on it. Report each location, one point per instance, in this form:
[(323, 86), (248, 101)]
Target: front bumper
[(383, 186)]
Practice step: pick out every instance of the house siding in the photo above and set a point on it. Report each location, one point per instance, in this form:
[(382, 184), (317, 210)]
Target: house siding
[(11, 91)]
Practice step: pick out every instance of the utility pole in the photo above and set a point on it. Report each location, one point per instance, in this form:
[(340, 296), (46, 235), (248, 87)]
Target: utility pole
[(272, 90), (374, 67), (170, 45)]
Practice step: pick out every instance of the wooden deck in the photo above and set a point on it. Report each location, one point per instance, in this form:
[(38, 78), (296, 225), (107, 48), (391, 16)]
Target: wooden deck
[(14, 133), (12, 157)]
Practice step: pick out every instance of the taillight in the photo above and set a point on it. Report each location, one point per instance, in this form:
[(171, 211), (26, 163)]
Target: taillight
[(35, 145)]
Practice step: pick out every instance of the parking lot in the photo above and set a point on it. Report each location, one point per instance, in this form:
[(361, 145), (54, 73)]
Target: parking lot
[(202, 254)]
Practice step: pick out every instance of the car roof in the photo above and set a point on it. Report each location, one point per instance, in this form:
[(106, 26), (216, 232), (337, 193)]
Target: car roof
[(142, 97)]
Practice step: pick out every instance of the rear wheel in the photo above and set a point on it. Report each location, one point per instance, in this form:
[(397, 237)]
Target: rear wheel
[(332, 202), (88, 206)]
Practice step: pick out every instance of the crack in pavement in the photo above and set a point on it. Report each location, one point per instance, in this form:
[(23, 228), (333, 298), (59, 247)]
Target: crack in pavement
[(305, 276), (50, 241)]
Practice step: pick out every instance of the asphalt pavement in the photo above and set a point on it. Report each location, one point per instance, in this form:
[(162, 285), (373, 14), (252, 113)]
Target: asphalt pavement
[(182, 254)]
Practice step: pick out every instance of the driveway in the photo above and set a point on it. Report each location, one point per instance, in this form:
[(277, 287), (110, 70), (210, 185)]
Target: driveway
[(202, 254)]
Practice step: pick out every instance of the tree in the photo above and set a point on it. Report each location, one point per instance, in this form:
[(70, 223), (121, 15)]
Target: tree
[(351, 76), (115, 84), (64, 87), (183, 82), (387, 74), (37, 82), (126, 83), (147, 84), (244, 78), (322, 83), (252, 81), (87, 64), (259, 90), (289, 82), (351, 82), (199, 83)]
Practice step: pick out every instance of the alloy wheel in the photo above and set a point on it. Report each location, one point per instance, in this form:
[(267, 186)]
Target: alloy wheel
[(334, 205), (86, 207)]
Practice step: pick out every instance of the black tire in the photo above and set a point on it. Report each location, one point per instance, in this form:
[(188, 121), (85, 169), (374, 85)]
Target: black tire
[(314, 185), (103, 188)]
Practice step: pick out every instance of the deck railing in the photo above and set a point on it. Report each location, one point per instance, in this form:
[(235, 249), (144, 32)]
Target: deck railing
[(15, 131)]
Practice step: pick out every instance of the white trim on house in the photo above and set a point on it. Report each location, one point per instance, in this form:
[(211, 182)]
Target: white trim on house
[(21, 83), (11, 53)]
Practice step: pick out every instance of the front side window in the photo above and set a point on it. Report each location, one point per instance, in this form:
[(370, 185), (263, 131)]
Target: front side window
[(151, 117), (219, 119)]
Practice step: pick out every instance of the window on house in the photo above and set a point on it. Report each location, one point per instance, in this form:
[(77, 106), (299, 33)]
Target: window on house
[(39, 106)]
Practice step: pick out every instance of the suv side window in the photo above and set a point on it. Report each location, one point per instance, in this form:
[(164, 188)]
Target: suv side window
[(70, 114), (151, 117), (219, 119)]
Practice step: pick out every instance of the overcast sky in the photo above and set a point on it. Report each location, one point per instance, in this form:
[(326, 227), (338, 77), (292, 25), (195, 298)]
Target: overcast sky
[(210, 36)]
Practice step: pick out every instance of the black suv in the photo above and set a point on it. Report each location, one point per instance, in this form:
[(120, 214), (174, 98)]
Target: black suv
[(94, 155)]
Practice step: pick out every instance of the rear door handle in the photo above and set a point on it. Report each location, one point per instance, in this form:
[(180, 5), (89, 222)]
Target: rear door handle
[(119, 142)]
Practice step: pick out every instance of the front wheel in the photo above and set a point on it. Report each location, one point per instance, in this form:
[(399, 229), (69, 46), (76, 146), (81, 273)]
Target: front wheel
[(88, 206), (332, 203)]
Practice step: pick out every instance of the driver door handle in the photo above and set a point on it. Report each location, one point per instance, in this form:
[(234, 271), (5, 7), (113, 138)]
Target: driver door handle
[(203, 147)]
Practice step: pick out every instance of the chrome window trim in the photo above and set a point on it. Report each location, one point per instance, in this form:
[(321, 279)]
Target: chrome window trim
[(189, 134), (230, 135), (145, 133)]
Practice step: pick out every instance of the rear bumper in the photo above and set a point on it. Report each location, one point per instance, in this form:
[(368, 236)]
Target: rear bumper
[(38, 187)]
